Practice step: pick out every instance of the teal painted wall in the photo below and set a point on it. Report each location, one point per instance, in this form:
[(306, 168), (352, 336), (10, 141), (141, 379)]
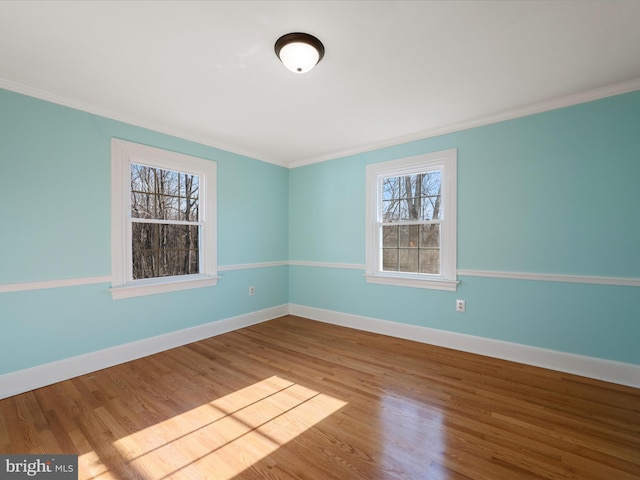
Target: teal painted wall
[(55, 173), (557, 192)]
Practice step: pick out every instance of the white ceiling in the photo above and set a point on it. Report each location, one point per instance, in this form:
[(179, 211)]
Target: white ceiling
[(392, 71)]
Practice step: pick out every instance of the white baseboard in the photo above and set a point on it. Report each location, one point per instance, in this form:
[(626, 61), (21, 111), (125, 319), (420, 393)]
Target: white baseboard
[(47, 374), (608, 370), (597, 368)]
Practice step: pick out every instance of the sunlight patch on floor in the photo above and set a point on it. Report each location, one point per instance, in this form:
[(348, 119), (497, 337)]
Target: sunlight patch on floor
[(226, 436), (90, 466)]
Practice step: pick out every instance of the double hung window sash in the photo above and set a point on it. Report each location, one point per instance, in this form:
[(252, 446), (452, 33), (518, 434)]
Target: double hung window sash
[(409, 218), (165, 223)]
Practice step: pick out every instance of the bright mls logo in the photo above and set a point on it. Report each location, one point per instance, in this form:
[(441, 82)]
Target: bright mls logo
[(50, 467)]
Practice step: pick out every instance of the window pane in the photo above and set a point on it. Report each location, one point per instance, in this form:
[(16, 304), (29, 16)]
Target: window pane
[(161, 250), (390, 188), (431, 208), (390, 237), (411, 248), (142, 178), (430, 195), (390, 259), (408, 236), (410, 203), (391, 195), (430, 236), (189, 191), (141, 205), (430, 261), (170, 182), (430, 249), (408, 260), (390, 211), (163, 194), (170, 208), (412, 197)]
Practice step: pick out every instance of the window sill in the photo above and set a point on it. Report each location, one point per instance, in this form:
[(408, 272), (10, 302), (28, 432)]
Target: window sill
[(154, 286), (413, 282)]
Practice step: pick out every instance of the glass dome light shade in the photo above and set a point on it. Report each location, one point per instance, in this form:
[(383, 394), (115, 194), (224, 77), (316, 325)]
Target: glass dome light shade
[(299, 52), (299, 57)]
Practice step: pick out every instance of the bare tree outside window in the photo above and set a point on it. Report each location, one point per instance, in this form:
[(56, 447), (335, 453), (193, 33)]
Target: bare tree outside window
[(411, 216), (165, 226)]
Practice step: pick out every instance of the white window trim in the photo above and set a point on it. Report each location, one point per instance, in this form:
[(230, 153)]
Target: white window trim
[(124, 153), (446, 161)]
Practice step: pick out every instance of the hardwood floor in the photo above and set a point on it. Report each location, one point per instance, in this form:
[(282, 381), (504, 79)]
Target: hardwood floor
[(298, 399)]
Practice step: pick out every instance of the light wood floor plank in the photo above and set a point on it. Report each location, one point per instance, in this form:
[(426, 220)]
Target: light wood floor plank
[(294, 399)]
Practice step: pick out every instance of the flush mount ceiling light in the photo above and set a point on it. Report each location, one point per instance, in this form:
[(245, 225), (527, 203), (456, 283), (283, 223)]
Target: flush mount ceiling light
[(299, 52)]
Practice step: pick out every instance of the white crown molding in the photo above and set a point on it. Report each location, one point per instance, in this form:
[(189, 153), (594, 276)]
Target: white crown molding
[(554, 104), (129, 119), (597, 368), (35, 377), (561, 102)]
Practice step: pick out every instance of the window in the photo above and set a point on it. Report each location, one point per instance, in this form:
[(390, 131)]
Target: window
[(163, 221), (165, 226), (411, 221)]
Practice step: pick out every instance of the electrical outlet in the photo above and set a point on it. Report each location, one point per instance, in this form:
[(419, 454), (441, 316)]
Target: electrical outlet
[(252, 291), (461, 306)]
